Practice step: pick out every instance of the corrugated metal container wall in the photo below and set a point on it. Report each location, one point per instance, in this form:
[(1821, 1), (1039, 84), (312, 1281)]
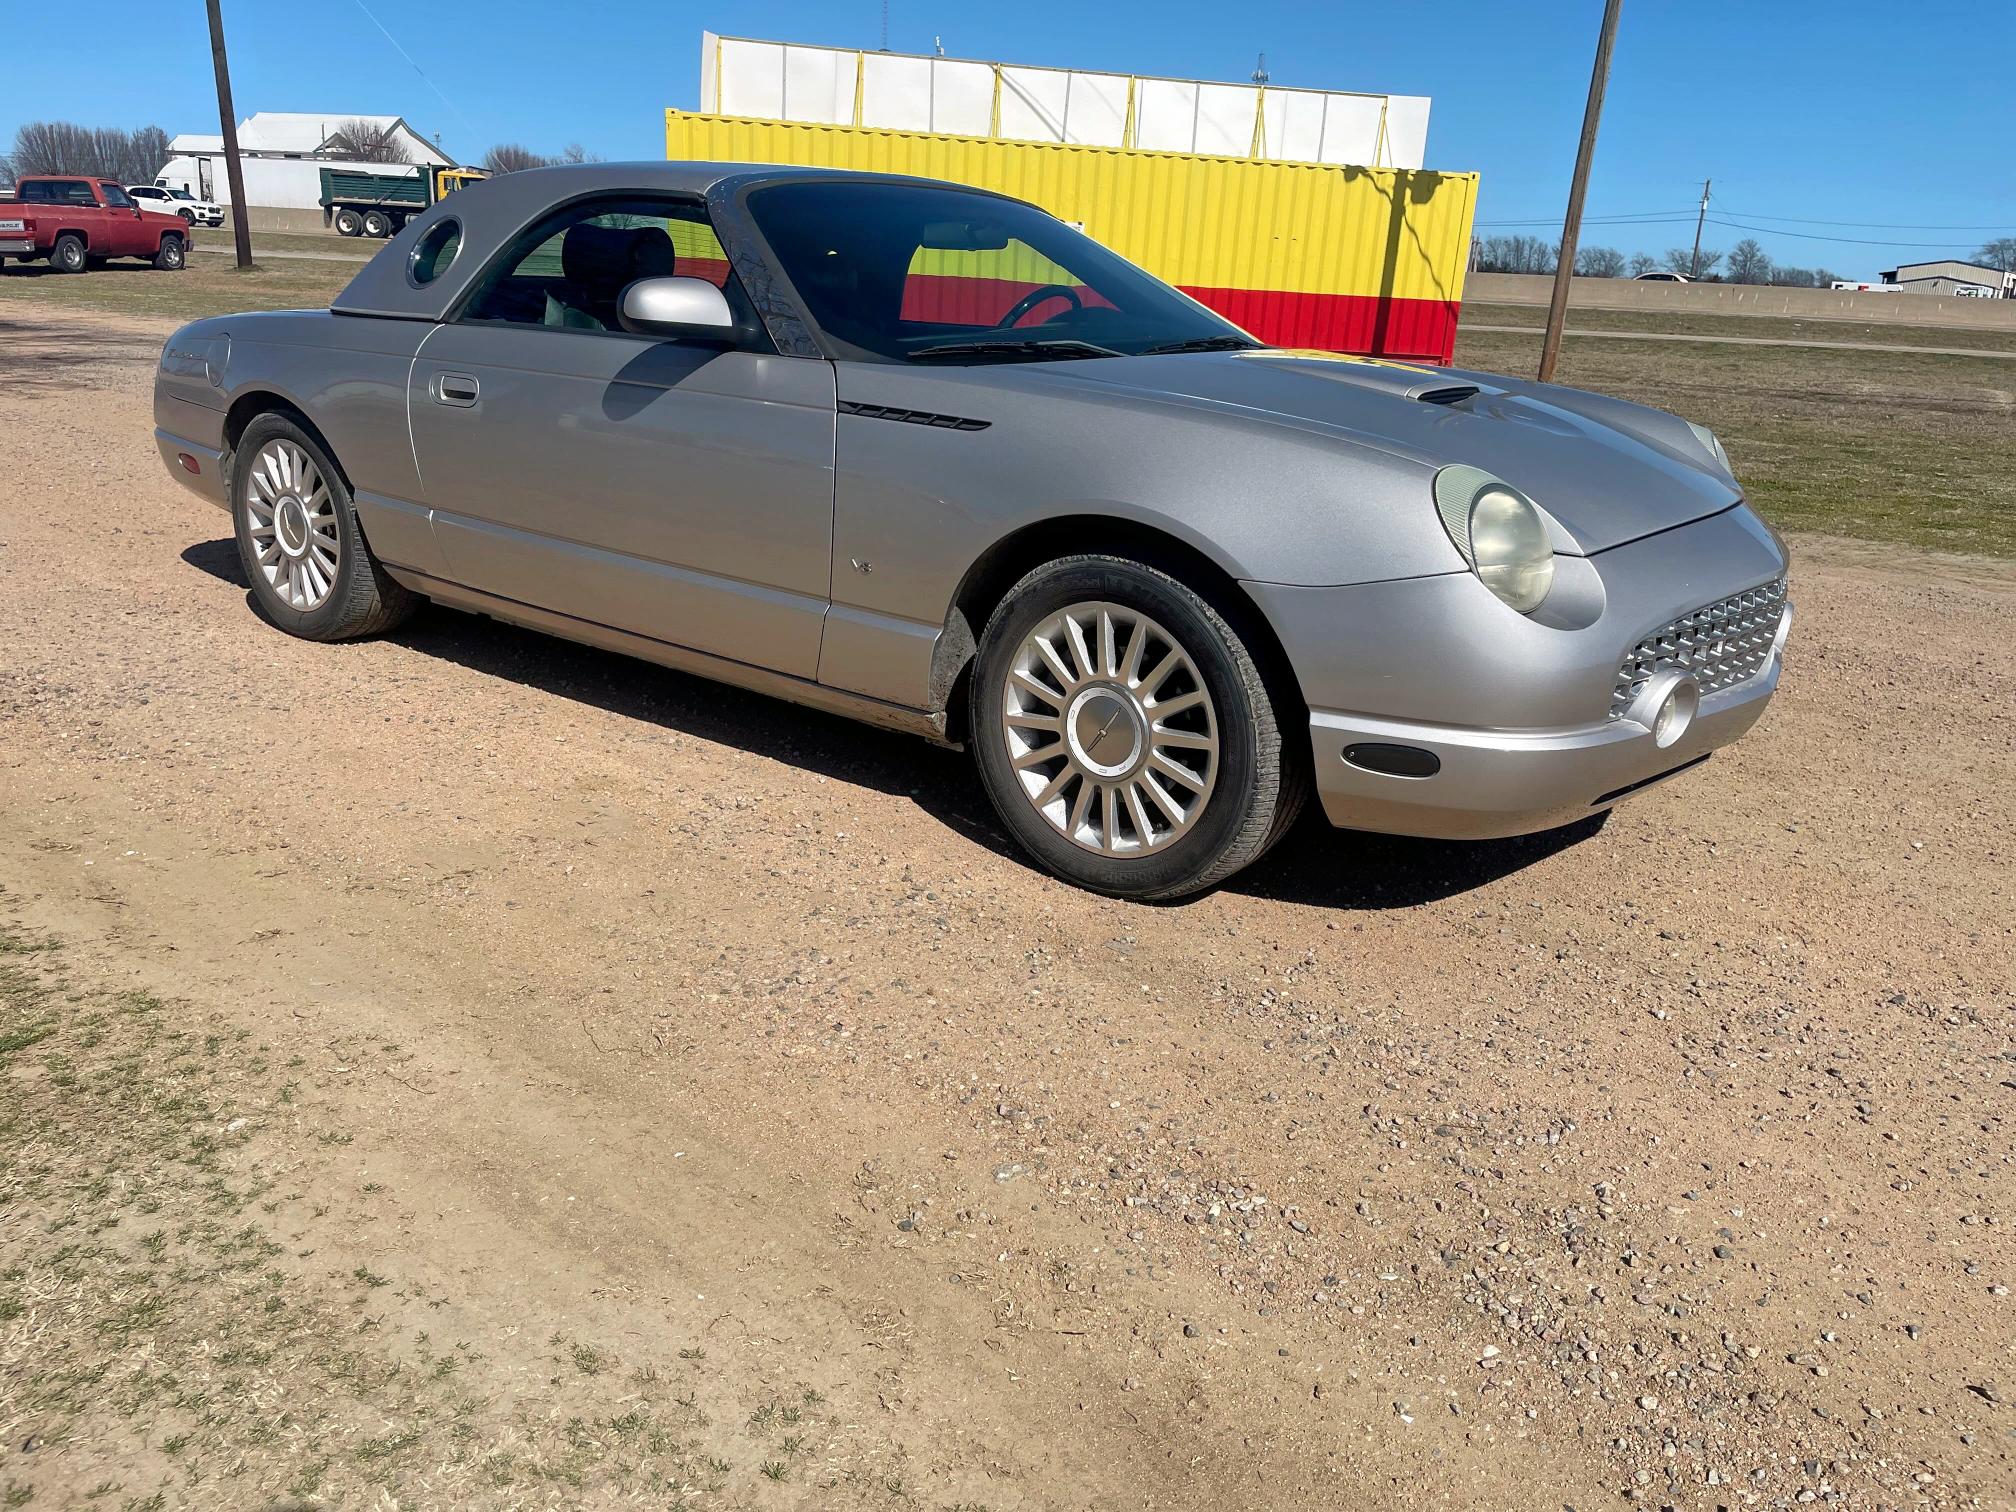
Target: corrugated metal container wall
[(1366, 260)]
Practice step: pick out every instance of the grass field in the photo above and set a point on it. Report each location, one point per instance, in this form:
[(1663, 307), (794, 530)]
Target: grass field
[(1897, 447), (182, 1321), (358, 247), (1749, 327), (208, 286)]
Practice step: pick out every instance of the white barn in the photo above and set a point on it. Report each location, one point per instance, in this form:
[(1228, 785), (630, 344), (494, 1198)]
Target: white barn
[(283, 154)]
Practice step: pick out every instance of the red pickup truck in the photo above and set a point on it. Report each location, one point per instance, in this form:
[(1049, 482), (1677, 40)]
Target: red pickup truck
[(75, 222)]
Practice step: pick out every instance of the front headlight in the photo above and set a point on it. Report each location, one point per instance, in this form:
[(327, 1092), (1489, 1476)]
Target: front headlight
[(1500, 532)]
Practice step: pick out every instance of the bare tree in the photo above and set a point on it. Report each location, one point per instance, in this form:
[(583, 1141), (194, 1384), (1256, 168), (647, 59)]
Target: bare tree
[(132, 157), (1599, 262), (1516, 254), (1999, 254), (1681, 260), (365, 141), (1643, 262), (514, 157), (1749, 263)]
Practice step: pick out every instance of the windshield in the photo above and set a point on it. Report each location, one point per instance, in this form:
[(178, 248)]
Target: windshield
[(913, 273), (181, 194)]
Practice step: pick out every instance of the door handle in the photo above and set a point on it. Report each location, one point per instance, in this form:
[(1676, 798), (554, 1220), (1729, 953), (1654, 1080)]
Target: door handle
[(454, 388)]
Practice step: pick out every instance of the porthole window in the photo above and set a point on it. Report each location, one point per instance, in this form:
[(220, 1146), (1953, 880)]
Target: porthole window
[(435, 251)]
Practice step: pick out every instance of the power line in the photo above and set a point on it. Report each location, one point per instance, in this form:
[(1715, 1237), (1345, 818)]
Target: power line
[(1869, 225), (1851, 241), (1623, 216), (416, 67)]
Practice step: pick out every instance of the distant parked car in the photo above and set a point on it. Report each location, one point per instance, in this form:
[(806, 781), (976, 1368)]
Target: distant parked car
[(1662, 277), (76, 222), (926, 456), (197, 212)]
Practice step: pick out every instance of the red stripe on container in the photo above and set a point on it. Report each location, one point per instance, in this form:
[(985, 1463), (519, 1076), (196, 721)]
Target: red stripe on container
[(1363, 324), (955, 299)]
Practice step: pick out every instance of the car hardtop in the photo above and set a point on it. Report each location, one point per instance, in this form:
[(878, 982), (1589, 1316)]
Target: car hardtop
[(492, 211)]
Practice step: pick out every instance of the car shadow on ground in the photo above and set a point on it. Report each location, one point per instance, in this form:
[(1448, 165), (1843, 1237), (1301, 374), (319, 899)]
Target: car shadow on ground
[(1315, 865)]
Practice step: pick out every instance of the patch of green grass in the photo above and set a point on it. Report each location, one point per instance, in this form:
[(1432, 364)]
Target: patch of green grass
[(1895, 447), (1755, 327), (208, 286), (183, 1323)]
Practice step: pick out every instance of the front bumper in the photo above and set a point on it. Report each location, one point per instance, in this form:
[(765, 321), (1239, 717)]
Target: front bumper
[(1492, 783), (1514, 710)]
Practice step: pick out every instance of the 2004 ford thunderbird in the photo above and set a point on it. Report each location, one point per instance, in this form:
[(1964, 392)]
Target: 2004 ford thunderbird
[(932, 458)]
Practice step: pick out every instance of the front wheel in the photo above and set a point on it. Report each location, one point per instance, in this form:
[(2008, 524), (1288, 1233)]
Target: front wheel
[(1125, 733), (172, 255), (299, 541)]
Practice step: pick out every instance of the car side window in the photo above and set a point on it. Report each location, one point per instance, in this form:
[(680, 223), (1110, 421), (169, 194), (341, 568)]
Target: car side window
[(569, 270), (57, 192), (117, 197), (982, 288)]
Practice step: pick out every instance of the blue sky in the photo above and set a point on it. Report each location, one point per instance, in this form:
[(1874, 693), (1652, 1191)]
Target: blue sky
[(1840, 112)]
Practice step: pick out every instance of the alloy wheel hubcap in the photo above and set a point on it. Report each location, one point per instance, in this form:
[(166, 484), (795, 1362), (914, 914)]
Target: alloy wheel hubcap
[(293, 525), (1110, 731)]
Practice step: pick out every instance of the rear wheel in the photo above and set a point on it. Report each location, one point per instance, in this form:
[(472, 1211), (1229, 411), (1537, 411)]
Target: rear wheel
[(349, 223), (299, 541), (1125, 733), (172, 256), (377, 223), (68, 255)]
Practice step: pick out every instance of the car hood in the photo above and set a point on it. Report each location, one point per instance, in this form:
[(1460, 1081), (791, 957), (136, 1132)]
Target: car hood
[(1607, 471)]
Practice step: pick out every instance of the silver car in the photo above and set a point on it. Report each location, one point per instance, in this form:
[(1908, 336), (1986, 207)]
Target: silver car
[(929, 457)]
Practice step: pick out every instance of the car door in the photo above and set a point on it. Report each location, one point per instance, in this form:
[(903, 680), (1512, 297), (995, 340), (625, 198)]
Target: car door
[(131, 236), (671, 489)]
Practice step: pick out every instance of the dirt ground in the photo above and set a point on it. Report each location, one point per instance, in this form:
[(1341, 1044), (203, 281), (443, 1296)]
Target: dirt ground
[(653, 1048)]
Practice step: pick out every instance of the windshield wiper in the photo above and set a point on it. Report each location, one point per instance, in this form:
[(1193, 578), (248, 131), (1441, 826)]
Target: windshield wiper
[(1025, 348), (1226, 343)]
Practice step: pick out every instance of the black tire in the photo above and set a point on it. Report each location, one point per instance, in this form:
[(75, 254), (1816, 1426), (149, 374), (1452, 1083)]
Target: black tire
[(68, 255), (173, 256), (377, 223), (363, 600), (349, 223), (1259, 786), (188, 217)]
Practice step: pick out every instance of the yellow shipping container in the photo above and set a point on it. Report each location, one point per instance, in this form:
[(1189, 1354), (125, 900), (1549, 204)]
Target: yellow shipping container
[(1348, 259)]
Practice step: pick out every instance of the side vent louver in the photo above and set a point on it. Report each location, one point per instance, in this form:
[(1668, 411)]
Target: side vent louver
[(911, 417)]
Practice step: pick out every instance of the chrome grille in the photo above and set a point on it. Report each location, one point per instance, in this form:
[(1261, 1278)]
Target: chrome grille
[(1719, 645)]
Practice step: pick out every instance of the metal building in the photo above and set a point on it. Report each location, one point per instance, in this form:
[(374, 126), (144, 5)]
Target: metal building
[(1951, 276)]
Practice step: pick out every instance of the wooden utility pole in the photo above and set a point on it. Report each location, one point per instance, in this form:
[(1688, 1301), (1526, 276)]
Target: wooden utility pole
[(1571, 228), (1694, 268), (241, 230)]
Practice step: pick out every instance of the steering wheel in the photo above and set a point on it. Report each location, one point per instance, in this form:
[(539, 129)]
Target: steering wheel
[(1034, 298)]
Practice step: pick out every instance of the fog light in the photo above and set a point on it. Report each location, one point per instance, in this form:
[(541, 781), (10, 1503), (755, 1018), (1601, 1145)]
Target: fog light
[(1667, 706)]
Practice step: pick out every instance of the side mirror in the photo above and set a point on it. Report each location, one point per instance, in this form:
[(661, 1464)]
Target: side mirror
[(680, 309)]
